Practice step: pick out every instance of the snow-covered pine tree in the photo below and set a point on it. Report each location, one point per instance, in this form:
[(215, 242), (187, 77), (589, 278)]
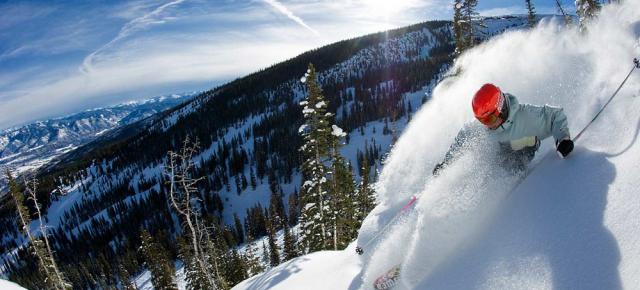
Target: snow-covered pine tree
[(158, 262), (342, 195), (315, 207), (587, 10), (531, 10)]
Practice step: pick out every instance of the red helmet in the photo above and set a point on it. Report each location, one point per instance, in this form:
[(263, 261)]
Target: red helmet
[(490, 106)]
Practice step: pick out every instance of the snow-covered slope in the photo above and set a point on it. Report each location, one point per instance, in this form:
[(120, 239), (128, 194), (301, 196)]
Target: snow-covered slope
[(571, 224), (6, 285)]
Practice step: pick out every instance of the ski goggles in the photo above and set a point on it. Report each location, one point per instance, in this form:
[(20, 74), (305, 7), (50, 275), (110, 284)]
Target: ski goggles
[(491, 120), (496, 117)]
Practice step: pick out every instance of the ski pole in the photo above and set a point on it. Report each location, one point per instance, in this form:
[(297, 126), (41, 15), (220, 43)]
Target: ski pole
[(636, 65)]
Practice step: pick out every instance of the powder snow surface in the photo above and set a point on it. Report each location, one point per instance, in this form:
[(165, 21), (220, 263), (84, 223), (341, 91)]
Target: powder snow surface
[(571, 224), (6, 285)]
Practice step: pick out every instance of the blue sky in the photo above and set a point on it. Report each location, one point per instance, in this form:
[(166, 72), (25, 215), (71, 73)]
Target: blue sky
[(59, 57)]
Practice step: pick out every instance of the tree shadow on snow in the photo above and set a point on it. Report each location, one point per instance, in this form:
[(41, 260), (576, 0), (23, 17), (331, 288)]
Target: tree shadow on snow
[(550, 232), (273, 278)]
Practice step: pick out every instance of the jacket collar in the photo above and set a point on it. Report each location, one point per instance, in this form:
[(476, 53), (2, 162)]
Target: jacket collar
[(514, 107)]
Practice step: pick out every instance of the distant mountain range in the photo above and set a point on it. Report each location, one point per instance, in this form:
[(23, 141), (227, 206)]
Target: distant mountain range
[(31, 146)]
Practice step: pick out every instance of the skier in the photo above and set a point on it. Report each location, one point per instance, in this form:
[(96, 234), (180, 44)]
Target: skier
[(517, 128)]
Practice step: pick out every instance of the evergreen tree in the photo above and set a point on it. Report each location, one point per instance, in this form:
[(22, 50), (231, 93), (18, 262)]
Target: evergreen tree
[(587, 10), (194, 279), (125, 277), (252, 177), (531, 12), (290, 250), (253, 261), (342, 192), (316, 132), (215, 251), (274, 252), (294, 208), (457, 26), (266, 260), (366, 195), (158, 262), (239, 231), (276, 205), (235, 268), (347, 221), (471, 23), (466, 24)]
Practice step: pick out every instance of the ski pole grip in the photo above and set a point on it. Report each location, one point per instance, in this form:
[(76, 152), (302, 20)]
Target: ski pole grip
[(637, 62)]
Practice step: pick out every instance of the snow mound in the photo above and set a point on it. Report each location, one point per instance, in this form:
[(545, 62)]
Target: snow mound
[(319, 270), (571, 224)]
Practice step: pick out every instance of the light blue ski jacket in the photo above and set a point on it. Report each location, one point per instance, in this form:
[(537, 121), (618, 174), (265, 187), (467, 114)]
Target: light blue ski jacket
[(524, 128)]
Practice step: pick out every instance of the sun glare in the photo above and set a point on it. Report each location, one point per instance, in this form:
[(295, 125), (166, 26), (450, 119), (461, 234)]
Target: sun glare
[(385, 8)]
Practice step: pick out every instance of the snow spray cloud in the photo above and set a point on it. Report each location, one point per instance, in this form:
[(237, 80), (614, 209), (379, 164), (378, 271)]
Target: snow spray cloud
[(550, 64)]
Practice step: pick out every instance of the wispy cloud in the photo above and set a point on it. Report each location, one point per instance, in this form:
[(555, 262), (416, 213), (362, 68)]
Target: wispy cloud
[(109, 53), (503, 11), (16, 13), (284, 10), (137, 24)]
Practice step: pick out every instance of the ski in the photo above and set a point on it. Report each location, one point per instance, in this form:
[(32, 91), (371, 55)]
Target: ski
[(388, 280)]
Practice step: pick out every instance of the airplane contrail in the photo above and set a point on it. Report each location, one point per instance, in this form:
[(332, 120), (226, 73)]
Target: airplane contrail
[(126, 30), (284, 10)]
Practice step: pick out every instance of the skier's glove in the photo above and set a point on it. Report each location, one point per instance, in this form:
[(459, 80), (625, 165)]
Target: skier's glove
[(564, 147), (437, 168)]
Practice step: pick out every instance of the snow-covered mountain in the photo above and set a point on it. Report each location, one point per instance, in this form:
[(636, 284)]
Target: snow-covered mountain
[(570, 224), (33, 145)]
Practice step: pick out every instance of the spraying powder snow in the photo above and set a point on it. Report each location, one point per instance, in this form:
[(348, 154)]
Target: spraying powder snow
[(551, 64)]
